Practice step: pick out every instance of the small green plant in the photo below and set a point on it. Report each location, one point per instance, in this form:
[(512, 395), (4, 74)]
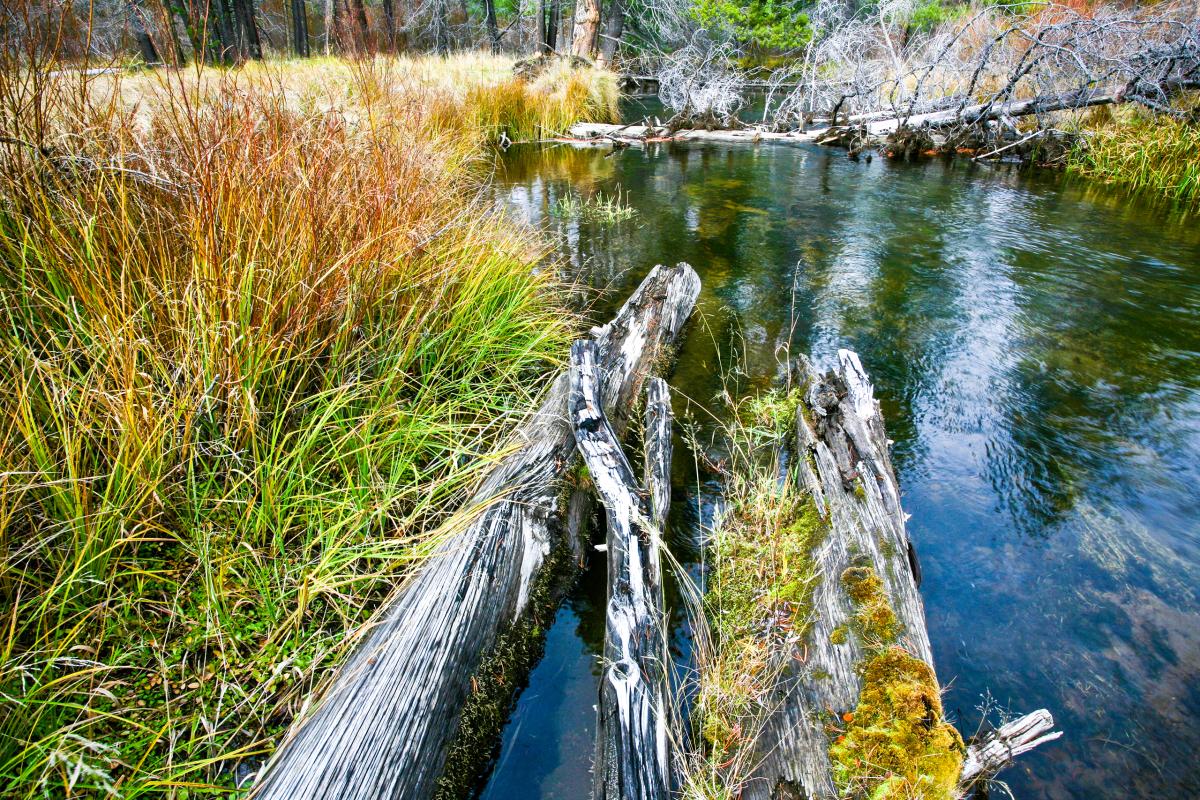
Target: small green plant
[(600, 208)]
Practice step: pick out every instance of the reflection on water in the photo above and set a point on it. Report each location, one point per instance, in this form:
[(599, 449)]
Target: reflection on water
[(1034, 344)]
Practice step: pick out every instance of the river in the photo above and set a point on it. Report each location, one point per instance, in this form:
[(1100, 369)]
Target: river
[(1033, 340)]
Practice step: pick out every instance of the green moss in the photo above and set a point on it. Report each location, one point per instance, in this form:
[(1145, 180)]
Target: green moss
[(859, 490), (897, 744), (874, 618), (839, 635)]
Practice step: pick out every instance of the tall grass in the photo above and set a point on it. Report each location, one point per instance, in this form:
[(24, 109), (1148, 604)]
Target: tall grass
[(1142, 151), (256, 332)]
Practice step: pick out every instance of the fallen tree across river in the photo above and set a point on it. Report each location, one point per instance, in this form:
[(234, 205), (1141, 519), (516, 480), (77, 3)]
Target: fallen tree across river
[(385, 725)]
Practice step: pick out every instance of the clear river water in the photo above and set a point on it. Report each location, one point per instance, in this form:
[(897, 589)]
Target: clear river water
[(1034, 342)]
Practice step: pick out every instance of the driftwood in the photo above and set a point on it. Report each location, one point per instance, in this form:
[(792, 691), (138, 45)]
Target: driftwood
[(632, 755), (632, 134), (385, 724), (841, 458), (875, 125)]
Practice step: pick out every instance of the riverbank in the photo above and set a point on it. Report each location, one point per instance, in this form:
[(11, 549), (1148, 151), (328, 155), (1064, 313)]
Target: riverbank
[(260, 334)]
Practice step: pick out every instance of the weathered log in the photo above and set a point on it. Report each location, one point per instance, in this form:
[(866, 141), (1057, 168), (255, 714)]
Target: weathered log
[(983, 112), (590, 131), (841, 458), (632, 755), (997, 749), (386, 722)]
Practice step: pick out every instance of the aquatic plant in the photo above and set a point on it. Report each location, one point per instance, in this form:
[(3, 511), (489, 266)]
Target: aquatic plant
[(599, 208)]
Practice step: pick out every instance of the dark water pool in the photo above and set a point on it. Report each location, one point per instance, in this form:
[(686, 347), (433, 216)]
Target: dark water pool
[(1034, 343)]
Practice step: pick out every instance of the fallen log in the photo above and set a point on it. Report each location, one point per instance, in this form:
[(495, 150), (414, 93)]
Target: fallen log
[(632, 754), (867, 624), (391, 714), (985, 112), (591, 131)]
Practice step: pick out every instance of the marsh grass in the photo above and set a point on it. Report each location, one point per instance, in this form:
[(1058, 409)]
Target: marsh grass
[(602, 209), (258, 337), (1141, 151)]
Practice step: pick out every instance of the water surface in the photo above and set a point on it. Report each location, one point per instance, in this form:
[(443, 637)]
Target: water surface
[(1034, 344)]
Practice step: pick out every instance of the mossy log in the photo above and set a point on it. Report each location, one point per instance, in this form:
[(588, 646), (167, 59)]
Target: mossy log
[(387, 720), (868, 622), (632, 754)]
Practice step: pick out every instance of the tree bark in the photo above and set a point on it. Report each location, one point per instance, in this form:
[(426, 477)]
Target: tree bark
[(614, 28), (493, 28), (362, 30), (542, 9), (587, 27), (137, 24), (390, 714), (249, 28), (389, 24), (551, 42), (174, 44), (299, 28), (632, 754)]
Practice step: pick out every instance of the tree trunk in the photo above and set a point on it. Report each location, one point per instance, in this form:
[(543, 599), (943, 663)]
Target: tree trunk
[(587, 27), (632, 754), (299, 28), (389, 24), (542, 30), (386, 722), (248, 27), (441, 24), (362, 30), (840, 456), (231, 50), (554, 12), (493, 28), (614, 28), (331, 24), (169, 11), (137, 24)]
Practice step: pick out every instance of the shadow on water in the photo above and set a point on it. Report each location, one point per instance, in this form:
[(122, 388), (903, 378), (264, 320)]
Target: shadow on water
[(1034, 344)]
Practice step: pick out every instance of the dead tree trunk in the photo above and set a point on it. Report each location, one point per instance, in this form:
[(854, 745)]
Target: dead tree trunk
[(385, 724), (632, 758), (493, 28), (587, 27), (841, 459), (331, 23), (614, 28)]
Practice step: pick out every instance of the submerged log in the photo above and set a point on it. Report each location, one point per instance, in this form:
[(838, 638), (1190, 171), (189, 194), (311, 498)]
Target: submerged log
[(386, 722), (841, 458), (632, 754)]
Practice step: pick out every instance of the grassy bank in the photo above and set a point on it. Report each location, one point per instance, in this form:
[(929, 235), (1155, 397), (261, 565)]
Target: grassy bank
[(257, 330), (1134, 148)]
